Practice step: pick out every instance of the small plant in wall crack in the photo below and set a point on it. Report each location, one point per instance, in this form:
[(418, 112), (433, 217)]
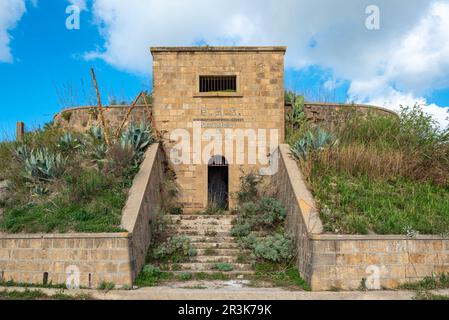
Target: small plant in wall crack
[(225, 267)]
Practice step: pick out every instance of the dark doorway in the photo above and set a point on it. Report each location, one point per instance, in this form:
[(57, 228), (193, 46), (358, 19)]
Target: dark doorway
[(217, 182)]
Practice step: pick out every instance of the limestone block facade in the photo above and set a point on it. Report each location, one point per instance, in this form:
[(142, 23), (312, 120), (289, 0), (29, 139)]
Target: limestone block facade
[(180, 109)]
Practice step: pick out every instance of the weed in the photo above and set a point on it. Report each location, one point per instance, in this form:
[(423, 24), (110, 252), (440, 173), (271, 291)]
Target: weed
[(106, 286), (282, 275), (226, 267), (185, 276)]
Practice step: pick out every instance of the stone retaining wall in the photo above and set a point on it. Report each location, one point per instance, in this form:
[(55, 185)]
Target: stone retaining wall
[(82, 118), (332, 114), (328, 261), (115, 257)]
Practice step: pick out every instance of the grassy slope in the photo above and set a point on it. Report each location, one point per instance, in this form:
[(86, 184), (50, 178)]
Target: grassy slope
[(87, 197), (360, 205), (385, 176)]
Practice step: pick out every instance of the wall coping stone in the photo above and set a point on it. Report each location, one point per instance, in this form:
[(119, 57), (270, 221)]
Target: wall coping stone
[(11, 236), (376, 237), (137, 192), (220, 49), (304, 197)]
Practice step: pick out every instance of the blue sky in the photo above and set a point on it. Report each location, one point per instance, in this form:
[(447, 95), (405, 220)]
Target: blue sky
[(331, 56)]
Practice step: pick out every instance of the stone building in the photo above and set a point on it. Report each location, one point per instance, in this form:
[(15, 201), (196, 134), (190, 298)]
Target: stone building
[(221, 112)]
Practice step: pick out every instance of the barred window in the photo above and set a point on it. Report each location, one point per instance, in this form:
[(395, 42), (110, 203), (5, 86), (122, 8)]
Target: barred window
[(218, 84)]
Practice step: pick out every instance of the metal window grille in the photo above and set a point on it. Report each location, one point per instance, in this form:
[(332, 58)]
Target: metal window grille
[(218, 83)]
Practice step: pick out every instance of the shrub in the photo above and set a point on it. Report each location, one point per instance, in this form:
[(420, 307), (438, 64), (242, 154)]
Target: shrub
[(185, 276), (151, 271), (277, 248), (43, 165), (272, 211), (66, 115), (241, 228), (86, 184), (175, 249), (106, 286), (268, 213), (118, 158), (248, 188), (175, 210)]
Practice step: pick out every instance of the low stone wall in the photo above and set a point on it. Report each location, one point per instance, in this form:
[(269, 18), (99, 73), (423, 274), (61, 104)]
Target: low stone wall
[(98, 257), (328, 261), (346, 261), (115, 257), (332, 114), (82, 118)]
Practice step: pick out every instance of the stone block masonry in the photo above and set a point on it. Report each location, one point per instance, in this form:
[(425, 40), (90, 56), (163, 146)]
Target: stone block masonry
[(45, 258), (99, 257), (257, 103), (347, 262)]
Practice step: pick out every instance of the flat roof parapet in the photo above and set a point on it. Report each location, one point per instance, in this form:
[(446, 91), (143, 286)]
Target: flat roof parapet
[(219, 49)]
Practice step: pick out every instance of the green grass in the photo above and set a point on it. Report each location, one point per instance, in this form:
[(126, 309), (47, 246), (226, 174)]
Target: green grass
[(39, 295), (106, 286), (11, 283), (280, 275), (152, 276), (359, 205), (430, 296), (433, 282), (226, 267), (88, 197)]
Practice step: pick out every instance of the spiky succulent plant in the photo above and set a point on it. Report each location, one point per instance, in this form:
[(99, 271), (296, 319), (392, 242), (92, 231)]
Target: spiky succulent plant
[(43, 165)]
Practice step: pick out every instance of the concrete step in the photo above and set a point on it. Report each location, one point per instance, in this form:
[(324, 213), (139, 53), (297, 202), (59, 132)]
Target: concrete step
[(205, 223), (199, 218), (201, 233), (199, 267), (220, 252), (214, 239), (211, 272), (215, 245), (213, 259), (199, 227)]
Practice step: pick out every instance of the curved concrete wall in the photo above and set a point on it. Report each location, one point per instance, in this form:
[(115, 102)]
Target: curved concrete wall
[(82, 118)]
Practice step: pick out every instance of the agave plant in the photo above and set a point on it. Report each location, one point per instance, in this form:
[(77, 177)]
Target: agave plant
[(138, 137), (22, 152), (43, 165), (312, 141), (96, 132), (39, 190), (68, 142), (98, 151)]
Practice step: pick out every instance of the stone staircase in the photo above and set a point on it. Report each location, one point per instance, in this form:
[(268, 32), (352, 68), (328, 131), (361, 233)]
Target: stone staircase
[(210, 235)]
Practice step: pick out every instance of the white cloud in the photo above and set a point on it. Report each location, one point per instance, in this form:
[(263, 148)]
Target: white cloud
[(418, 65), (11, 11), (406, 59)]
